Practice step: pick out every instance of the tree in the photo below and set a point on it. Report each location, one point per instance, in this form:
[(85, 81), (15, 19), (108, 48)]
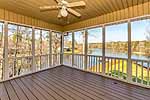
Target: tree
[(17, 37), (56, 40)]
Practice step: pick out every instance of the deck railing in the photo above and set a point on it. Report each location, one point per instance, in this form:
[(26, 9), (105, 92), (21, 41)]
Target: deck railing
[(114, 67), (79, 61), (19, 65), (141, 71), (56, 59), (42, 62), (67, 59), (94, 63), (24, 65)]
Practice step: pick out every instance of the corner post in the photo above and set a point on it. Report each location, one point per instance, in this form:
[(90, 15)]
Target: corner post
[(5, 56), (73, 49), (129, 65), (33, 50), (62, 49), (103, 50), (50, 48), (85, 48)]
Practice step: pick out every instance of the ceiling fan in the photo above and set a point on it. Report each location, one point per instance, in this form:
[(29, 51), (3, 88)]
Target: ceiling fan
[(64, 8)]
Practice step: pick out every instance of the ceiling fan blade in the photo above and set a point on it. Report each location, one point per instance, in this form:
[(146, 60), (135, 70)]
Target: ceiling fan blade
[(76, 4), (47, 8), (74, 12), (59, 15), (58, 1)]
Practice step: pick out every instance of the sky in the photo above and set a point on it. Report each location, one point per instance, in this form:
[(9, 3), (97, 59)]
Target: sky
[(118, 32), (13, 28), (139, 30)]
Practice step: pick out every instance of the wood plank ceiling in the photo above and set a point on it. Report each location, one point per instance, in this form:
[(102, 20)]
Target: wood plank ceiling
[(93, 8)]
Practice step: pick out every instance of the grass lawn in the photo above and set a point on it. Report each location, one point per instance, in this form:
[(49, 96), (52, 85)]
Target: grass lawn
[(119, 69)]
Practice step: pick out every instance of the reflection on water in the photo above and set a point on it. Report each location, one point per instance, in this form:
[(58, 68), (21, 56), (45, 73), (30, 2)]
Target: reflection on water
[(110, 53)]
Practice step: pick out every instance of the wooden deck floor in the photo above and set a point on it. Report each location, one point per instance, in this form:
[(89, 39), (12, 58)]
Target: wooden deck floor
[(63, 83)]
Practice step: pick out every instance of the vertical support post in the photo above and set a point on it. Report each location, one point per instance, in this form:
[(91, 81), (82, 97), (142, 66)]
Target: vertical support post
[(5, 56), (50, 48), (41, 49), (85, 48), (103, 50), (33, 50), (72, 49), (129, 65), (62, 49)]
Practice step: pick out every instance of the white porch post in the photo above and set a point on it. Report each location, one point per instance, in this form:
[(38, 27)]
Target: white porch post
[(50, 48), (103, 50), (129, 65), (85, 48), (5, 64), (62, 49), (73, 49), (33, 50)]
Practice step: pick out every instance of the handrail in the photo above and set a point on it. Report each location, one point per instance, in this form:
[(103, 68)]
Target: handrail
[(19, 57)]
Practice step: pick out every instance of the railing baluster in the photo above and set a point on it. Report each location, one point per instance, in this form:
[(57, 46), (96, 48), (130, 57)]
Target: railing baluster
[(149, 73), (107, 65), (92, 63), (142, 72), (75, 60), (115, 67), (122, 68), (119, 68), (136, 71), (96, 64), (70, 56), (111, 66), (22, 67), (78, 61), (94, 67), (88, 62), (148, 69), (82, 62)]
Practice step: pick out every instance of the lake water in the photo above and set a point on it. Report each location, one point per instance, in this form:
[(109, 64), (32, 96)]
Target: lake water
[(109, 53)]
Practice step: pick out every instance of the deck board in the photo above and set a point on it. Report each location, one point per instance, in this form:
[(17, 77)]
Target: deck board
[(64, 83), (21, 94), (3, 92)]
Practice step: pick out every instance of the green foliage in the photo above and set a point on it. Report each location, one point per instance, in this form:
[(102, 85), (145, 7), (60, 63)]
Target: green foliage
[(17, 35), (124, 76)]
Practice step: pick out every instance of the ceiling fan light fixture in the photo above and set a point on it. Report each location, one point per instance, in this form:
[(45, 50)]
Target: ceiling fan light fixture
[(64, 8), (64, 12)]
